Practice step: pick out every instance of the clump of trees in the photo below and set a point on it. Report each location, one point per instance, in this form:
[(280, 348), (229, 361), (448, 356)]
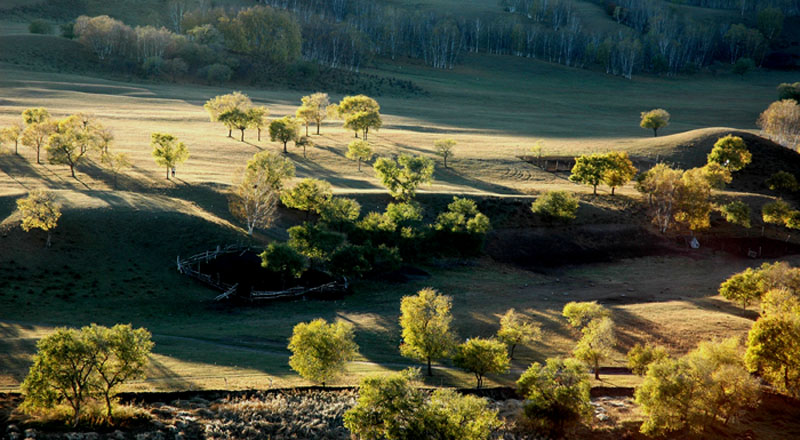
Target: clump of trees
[(360, 113), (76, 367), (781, 122), (557, 396), (321, 350), (708, 385), (392, 407), (614, 169), (39, 210), (314, 108), (685, 197)]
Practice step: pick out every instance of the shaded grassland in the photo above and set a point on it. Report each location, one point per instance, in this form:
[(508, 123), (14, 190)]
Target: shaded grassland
[(114, 251)]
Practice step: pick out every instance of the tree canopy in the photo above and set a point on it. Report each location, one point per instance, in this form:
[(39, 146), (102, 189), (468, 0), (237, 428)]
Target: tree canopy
[(482, 356), (403, 176), (283, 130), (731, 152), (654, 120), (167, 151), (39, 210), (320, 350), (425, 319)]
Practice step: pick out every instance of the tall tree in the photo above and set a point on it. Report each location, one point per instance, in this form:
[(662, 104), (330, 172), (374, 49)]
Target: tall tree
[(167, 151), (305, 143), (122, 354), (589, 170), (71, 142), (596, 343), (283, 130), (516, 330), (321, 350), (619, 170), (444, 148), (39, 211), (363, 121), (661, 184), (61, 371), (403, 176), (314, 108), (425, 319), (359, 150), (38, 129), (257, 116), (12, 133), (256, 190), (655, 119)]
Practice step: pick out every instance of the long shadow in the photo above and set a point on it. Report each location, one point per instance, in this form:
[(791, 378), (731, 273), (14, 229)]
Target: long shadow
[(163, 375), (123, 180), (15, 166), (312, 169), (11, 341), (716, 305), (626, 339)]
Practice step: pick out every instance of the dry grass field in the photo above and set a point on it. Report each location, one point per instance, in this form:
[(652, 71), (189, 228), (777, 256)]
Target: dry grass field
[(114, 251)]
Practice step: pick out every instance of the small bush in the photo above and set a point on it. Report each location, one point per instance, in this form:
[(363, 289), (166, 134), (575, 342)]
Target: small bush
[(556, 206), (40, 26)]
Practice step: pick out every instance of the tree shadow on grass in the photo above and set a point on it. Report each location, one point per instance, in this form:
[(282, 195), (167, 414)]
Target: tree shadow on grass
[(15, 351), (716, 305)]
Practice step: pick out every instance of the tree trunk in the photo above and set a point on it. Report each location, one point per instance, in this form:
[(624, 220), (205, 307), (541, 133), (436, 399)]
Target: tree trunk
[(594, 189), (306, 128), (445, 161), (480, 380), (430, 371), (242, 134), (230, 131), (49, 239), (655, 132), (108, 407), (511, 352), (359, 165), (39, 162), (597, 370), (259, 134), (612, 190), (167, 173), (304, 151), (318, 127), (16, 147), (284, 148), (72, 169)]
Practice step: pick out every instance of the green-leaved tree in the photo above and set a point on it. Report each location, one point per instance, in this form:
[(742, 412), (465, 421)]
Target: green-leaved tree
[(320, 350), (425, 319)]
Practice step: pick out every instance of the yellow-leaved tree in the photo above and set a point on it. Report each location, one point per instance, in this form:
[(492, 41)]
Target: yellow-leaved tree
[(39, 211)]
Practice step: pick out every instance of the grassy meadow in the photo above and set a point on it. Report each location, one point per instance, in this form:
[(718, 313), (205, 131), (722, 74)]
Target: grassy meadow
[(113, 257)]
